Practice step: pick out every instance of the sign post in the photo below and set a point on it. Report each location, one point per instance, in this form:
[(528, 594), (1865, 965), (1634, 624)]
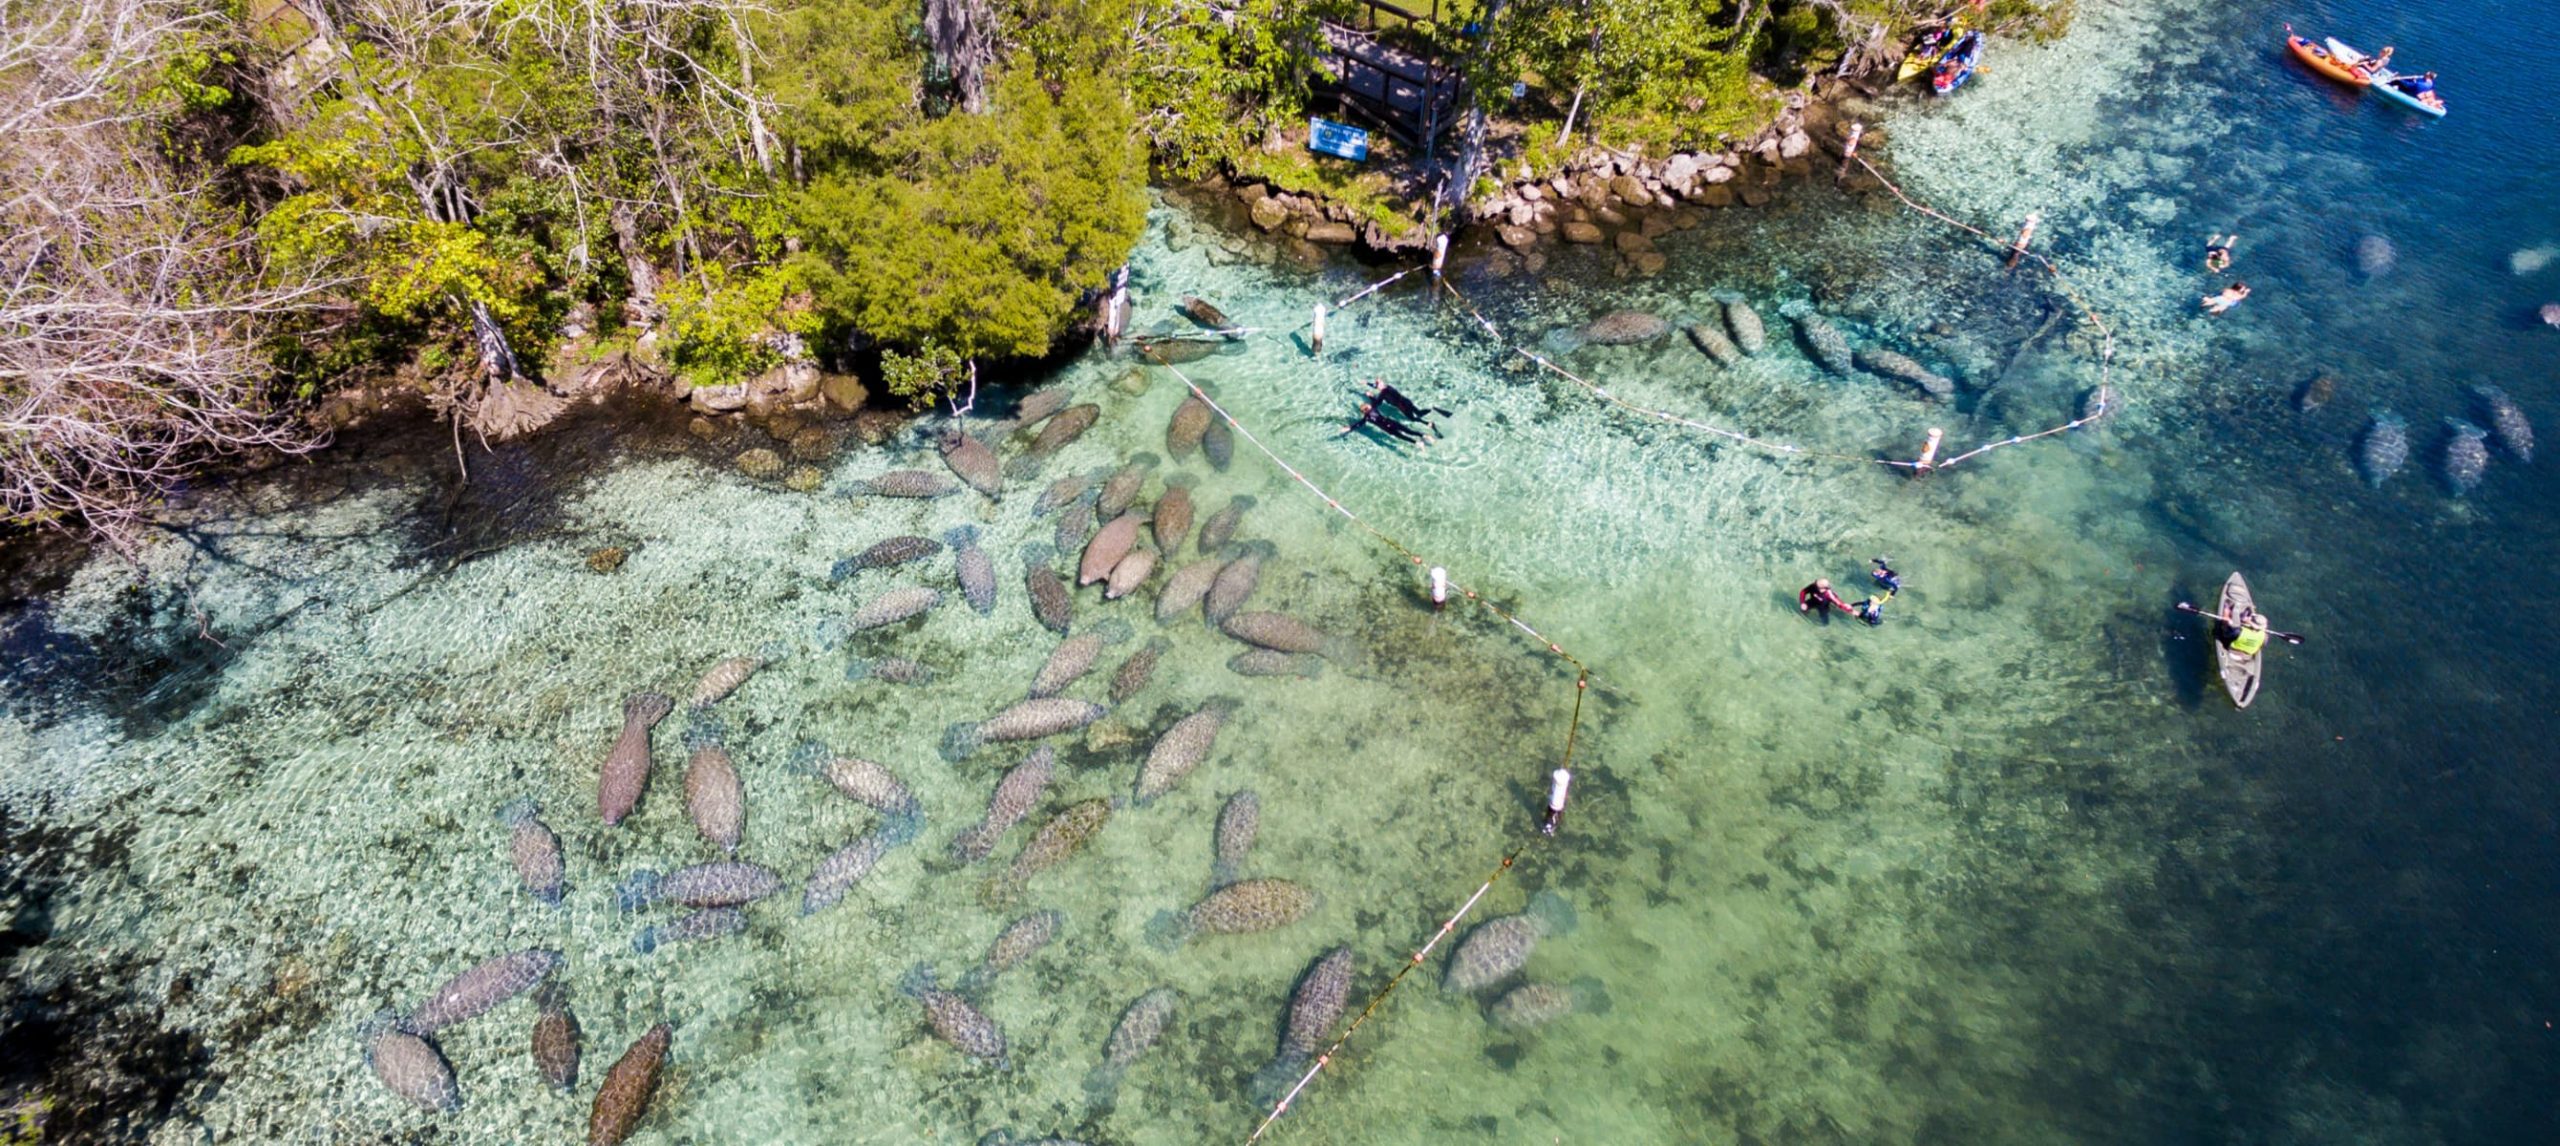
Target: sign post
[(1340, 140)]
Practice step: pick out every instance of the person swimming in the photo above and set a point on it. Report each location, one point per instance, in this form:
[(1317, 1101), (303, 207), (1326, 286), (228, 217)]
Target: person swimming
[(2217, 252), (1370, 415), (2230, 297), (1383, 394)]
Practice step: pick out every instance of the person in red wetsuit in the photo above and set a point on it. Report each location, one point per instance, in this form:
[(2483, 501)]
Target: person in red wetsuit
[(1819, 596)]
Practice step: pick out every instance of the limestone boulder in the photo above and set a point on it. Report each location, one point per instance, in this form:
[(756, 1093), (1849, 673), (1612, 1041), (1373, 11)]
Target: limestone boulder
[(1631, 190), (1332, 232), (1268, 213), (1517, 238), (1581, 233)]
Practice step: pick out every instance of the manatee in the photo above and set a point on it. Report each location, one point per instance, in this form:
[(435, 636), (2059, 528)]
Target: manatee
[(885, 554), (1314, 1007), (1625, 328), (1235, 583), (1020, 940), (1711, 342), (1499, 948), (1901, 368), (1278, 632), (1068, 662), (1050, 601), (1134, 672), (894, 670), (2375, 256), (555, 1040), (1537, 1004), (1015, 795), (534, 849), (892, 607), (1244, 907), (911, 483), (2466, 454), (2514, 432), (2550, 313), (623, 1100), (1029, 720), (1172, 513), (975, 570), (953, 1020), (2315, 393), (972, 462), (477, 991), (1037, 405), (867, 782), (708, 923), (2385, 448), (724, 884), (1144, 1022), (1131, 572), (1221, 526), (626, 767), (1061, 493), (1190, 420), (1121, 489), (1074, 526), (713, 797), (1238, 823), (1749, 333), (1823, 342), (1200, 311), (1180, 750), (1272, 662), (1184, 590), (723, 679), (1218, 445), (843, 868), (1108, 547), (1062, 836), (412, 1067), (1068, 425), (1177, 351)]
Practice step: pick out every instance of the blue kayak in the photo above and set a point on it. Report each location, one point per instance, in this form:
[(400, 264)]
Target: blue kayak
[(2387, 83), (1958, 65)]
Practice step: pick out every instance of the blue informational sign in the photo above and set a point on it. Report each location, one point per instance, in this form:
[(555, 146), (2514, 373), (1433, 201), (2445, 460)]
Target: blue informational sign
[(1325, 137)]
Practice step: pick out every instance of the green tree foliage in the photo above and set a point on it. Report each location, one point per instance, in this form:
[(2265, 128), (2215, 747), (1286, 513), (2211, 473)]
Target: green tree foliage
[(1208, 78)]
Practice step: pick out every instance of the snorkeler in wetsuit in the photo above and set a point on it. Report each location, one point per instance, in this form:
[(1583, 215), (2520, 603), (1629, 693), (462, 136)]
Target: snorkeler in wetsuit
[(1371, 415), (1393, 399)]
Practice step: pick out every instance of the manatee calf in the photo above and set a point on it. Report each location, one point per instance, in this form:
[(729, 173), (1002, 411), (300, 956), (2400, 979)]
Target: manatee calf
[(1020, 940), (1015, 795), (708, 923), (1273, 662), (411, 1067), (972, 462), (1134, 672), (975, 570), (1239, 822), (1823, 342), (1218, 444), (1062, 429), (1062, 493), (1120, 490), (846, 866), (1108, 547), (1051, 603), (475, 992), (953, 1020), (723, 679), (714, 798), (894, 670), (1235, 583), (1029, 720), (1901, 368), (1171, 517), (1186, 588), (1711, 342), (1244, 907), (1200, 311), (2466, 454), (623, 1100), (1537, 1004), (2514, 432), (534, 849), (885, 554), (1190, 420), (1221, 526), (892, 607), (1065, 834), (1131, 572), (1498, 948), (555, 1039), (1278, 632), (1140, 1026), (1180, 750), (2315, 393), (1750, 335), (1067, 664), (626, 767), (1314, 1007), (2385, 448), (724, 884), (920, 484)]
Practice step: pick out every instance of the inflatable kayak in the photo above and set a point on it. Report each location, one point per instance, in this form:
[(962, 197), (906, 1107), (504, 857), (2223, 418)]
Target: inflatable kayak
[(1958, 65), (2241, 672), (2388, 82), (1924, 52), (2319, 59)]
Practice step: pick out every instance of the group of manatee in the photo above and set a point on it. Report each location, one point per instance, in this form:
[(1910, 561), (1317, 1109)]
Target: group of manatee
[(2384, 447), (1736, 331), (1122, 543)]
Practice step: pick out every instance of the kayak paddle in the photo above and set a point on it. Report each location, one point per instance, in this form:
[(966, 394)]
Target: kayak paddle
[(2288, 638)]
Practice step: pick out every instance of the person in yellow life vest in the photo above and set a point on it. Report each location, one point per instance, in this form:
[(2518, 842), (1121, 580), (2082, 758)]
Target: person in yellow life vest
[(2249, 636)]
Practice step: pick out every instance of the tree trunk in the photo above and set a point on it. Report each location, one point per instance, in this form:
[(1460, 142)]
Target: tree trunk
[(960, 34)]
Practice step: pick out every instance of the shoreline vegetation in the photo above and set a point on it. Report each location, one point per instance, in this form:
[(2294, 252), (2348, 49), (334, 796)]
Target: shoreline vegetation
[(235, 226)]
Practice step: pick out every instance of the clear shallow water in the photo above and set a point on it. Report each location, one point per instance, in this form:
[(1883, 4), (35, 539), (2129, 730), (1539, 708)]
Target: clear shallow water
[(2004, 870)]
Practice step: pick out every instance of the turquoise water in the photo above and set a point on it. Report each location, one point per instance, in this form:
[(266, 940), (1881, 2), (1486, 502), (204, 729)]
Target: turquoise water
[(2005, 869)]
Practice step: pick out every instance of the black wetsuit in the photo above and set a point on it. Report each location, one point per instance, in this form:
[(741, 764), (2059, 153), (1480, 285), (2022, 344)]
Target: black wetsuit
[(1372, 416), (1394, 399)]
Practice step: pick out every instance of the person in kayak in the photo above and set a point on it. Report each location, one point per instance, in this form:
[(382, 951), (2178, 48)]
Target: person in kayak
[(2217, 252), (2230, 297), (1393, 399), (2245, 638), (1819, 596), (2423, 87), (1370, 415)]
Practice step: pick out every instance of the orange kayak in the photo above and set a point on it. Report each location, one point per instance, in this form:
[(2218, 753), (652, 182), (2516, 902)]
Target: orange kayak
[(2318, 59)]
